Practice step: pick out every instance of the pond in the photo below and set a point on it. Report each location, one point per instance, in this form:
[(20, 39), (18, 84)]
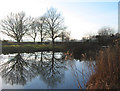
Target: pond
[(43, 70)]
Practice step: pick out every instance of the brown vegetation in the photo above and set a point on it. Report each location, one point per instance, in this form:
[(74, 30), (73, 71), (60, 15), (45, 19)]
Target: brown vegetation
[(107, 70)]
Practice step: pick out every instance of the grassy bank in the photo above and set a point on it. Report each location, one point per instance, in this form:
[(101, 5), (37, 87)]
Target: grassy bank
[(30, 48), (107, 70), (77, 48)]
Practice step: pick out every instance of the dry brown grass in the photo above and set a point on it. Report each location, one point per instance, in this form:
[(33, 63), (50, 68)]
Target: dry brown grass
[(107, 70)]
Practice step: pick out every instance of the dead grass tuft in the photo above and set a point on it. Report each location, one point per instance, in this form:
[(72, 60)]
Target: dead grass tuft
[(107, 70)]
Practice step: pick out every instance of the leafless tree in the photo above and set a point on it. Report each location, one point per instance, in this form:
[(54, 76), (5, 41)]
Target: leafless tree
[(33, 31), (105, 31), (54, 24), (41, 28), (65, 36), (15, 26)]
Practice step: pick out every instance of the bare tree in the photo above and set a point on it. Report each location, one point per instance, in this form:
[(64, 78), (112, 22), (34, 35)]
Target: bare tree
[(65, 36), (41, 28), (33, 30), (105, 31), (15, 26), (54, 24)]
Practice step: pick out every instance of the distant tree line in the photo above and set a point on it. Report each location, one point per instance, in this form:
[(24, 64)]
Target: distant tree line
[(49, 26), (105, 36)]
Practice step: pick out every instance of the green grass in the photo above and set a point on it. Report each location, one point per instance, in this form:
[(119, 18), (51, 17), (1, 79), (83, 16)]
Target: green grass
[(30, 48)]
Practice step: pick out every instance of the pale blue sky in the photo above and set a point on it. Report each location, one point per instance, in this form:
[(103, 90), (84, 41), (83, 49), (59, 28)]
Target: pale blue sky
[(88, 17), (82, 17)]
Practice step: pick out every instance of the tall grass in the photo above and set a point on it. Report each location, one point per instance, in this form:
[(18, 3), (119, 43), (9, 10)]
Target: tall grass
[(107, 70)]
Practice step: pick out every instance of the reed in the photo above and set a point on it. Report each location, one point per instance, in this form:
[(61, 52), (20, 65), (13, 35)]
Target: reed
[(107, 69)]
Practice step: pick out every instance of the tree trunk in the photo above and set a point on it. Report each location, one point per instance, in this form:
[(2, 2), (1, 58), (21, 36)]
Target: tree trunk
[(34, 40), (41, 56), (62, 37), (18, 41), (53, 62), (41, 40), (53, 43), (41, 34)]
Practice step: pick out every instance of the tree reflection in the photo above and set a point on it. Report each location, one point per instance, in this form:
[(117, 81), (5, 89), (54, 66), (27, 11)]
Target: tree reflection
[(22, 67), (52, 68), (17, 70)]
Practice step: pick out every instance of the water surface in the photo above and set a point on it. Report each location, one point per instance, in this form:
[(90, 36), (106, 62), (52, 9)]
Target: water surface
[(42, 70)]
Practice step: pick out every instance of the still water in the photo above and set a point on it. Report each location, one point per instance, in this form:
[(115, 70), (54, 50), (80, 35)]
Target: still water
[(42, 70)]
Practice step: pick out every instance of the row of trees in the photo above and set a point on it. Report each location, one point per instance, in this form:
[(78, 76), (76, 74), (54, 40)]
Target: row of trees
[(50, 25), (104, 31), (105, 36)]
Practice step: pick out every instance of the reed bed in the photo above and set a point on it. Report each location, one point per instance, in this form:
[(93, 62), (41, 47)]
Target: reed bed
[(107, 69)]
